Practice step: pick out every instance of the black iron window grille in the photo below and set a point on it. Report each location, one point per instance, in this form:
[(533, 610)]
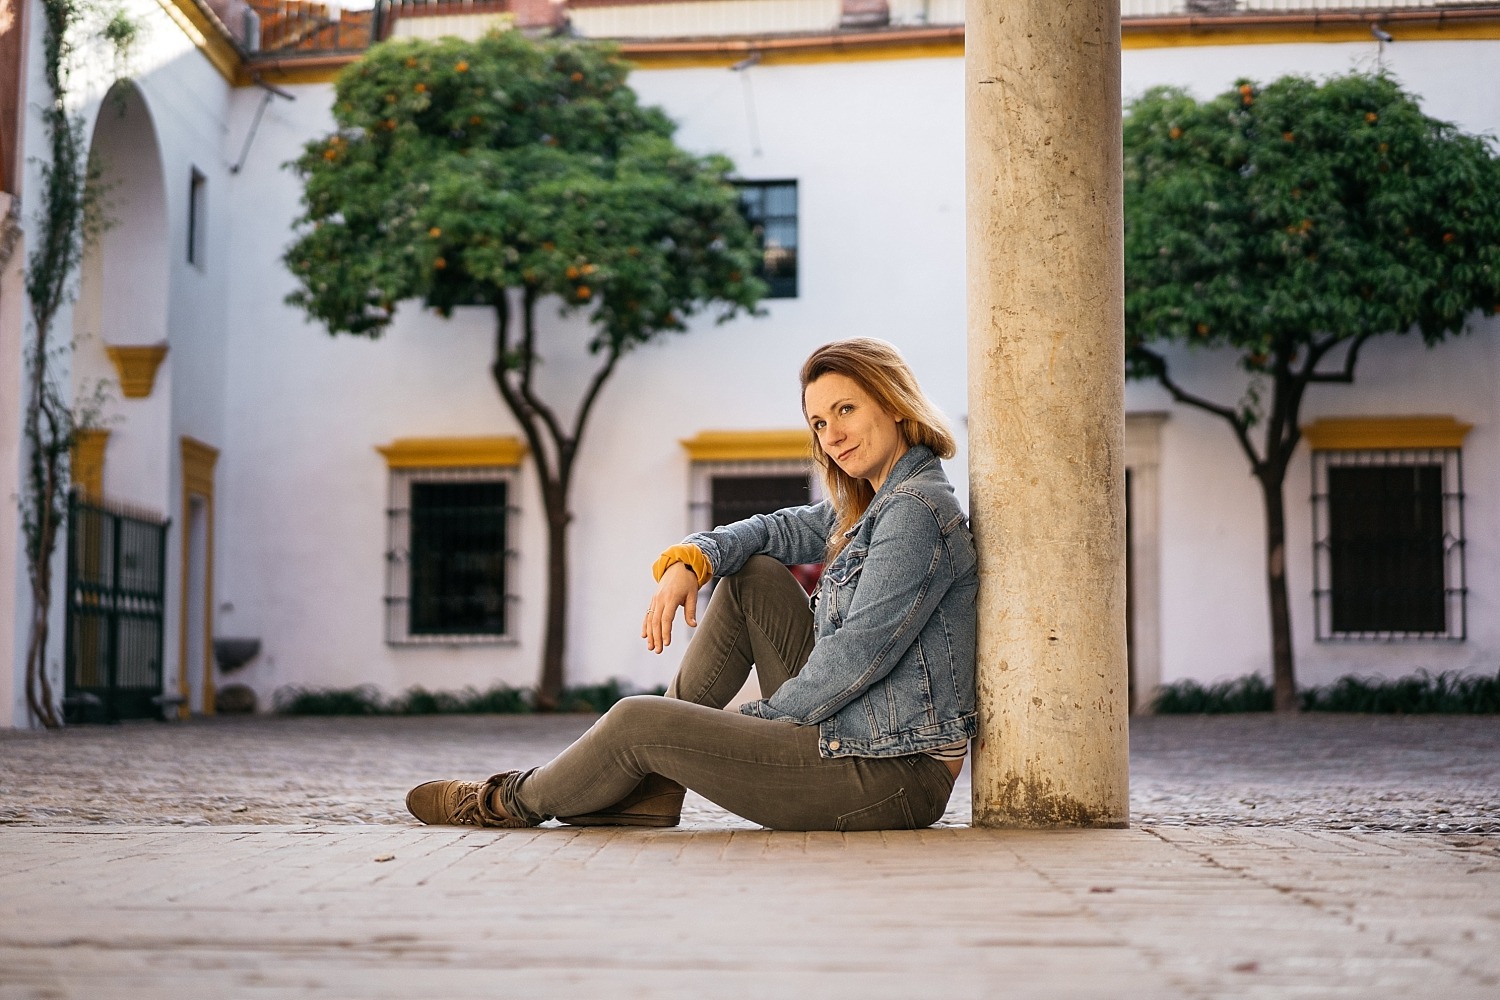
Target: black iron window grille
[(729, 491), (449, 561), (771, 209), (1388, 544)]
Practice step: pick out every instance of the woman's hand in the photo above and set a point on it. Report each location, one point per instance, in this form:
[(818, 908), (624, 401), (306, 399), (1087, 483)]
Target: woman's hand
[(678, 589)]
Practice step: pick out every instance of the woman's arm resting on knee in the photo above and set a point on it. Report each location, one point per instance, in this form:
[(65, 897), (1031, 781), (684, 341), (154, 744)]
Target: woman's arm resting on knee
[(678, 588), (902, 581)]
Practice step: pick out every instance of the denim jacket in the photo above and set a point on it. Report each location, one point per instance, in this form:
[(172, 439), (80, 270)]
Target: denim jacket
[(892, 668)]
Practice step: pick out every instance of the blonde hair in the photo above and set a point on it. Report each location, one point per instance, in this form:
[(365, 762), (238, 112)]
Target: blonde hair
[(880, 370)]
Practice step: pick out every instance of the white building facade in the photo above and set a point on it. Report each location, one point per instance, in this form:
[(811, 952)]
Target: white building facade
[(292, 465)]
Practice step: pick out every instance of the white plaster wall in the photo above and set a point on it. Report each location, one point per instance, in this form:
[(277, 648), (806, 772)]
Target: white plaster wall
[(13, 312), (31, 139), (304, 531), (1215, 618), (179, 123), (1214, 610), (876, 149), (124, 298), (303, 492), (184, 99)]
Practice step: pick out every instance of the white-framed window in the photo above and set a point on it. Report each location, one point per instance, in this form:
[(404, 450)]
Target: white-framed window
[(197, 231), (734, 474), (728, 491), (1388, 530), (770, 208), (450, 540)]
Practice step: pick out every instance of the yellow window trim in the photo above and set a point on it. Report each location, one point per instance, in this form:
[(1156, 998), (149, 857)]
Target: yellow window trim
[(748, 446), (1383, 433), (453, 453), (198, 462)]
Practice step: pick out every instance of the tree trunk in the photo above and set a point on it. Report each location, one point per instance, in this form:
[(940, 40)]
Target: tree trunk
[(1283, 670), (554, 640), (553, 450)]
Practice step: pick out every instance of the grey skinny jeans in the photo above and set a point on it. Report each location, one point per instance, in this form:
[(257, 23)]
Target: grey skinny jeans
[(766, 771)]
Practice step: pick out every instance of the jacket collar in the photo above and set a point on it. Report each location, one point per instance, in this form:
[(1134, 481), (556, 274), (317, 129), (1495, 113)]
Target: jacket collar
[(917, 458)]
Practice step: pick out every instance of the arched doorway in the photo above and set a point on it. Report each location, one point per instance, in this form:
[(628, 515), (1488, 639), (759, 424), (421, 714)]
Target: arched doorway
[(120, 320), (122, 461)]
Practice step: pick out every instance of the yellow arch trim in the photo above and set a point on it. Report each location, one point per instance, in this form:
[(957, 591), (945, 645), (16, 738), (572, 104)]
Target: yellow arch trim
[(453, 453), (1371, 433), (748, 446)]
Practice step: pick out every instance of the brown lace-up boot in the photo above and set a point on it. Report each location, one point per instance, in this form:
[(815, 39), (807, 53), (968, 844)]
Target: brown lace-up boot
[(459, 803)]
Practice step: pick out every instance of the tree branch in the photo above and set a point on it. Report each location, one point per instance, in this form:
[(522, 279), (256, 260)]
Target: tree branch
[(1288, 385), (1350, 359), (528, 349), (517, 405), (1158, 366)]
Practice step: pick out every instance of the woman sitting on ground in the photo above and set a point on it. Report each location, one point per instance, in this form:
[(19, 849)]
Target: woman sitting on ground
[(867, 695)]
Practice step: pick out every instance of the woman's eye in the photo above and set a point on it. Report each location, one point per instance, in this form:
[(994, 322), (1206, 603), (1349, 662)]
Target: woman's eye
[(846, 408)]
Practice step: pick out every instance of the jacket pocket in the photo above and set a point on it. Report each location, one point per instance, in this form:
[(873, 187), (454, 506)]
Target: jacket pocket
[(890, 813), (846, 567)]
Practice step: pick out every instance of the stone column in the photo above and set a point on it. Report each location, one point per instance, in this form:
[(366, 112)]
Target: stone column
[(1046, 411)]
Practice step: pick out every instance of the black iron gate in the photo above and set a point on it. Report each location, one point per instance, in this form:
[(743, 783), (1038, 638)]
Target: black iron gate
[(116, 596)]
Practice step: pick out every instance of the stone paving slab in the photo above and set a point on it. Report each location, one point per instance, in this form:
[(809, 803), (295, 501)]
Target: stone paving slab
[(402, 912), (266, 858)]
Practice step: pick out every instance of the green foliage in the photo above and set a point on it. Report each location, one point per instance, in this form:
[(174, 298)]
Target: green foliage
[(507, 173), (1280, 220), (498, 700), (1423, 693), (1245, 694), (1289, 224), (460, 169), (1448, 693), (294, 700), (121, 31)]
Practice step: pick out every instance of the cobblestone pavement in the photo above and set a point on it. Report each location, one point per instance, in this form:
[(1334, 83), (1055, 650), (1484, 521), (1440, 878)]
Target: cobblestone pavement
[(1315, 772)]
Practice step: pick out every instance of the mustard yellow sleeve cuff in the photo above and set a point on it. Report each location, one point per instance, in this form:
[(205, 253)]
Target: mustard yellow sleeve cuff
[(684, 553)]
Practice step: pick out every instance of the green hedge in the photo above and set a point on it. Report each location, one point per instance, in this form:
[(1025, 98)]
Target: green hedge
[(1423, 693), (498, 700)]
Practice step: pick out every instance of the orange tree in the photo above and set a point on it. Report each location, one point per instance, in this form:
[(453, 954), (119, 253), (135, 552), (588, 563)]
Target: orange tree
[(1285, 226), (517, 175)]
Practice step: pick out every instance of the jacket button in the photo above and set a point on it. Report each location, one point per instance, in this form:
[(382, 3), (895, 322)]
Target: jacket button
[(833, 744)]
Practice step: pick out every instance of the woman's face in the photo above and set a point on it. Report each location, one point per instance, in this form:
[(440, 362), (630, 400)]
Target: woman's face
[(853, 429)]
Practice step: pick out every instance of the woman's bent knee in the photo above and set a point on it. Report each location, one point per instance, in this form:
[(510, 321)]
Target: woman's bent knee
[(763, 574), (760, 566), (636, 717)]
